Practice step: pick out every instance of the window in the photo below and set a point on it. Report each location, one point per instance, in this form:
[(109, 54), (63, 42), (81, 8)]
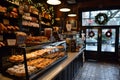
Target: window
[(119, 36), (88, 17)]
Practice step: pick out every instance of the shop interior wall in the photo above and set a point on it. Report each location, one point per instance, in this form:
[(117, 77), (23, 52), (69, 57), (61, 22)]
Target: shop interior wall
[(84, 5)]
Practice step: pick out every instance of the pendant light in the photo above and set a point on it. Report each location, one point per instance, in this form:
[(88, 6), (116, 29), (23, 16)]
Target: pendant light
[(54, 2), (72, 15), (64, 7), (73, 12)]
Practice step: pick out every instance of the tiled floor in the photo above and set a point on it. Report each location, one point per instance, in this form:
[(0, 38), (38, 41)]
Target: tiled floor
[(99, 71)]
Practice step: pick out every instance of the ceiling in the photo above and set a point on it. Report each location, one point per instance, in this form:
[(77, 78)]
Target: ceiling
[(71, 1), (76, 1)]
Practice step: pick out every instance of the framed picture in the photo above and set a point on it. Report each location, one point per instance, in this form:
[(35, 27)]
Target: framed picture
[(73, 23)]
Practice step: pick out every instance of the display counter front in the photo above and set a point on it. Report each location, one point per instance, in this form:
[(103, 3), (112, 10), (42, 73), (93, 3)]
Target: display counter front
[(64, 70), (67, 69)]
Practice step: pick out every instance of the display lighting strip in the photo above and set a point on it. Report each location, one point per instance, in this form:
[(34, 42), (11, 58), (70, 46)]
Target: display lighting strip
[(54, 2)]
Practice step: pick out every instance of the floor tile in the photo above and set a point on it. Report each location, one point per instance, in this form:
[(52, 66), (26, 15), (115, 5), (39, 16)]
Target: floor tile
[(99, 71)]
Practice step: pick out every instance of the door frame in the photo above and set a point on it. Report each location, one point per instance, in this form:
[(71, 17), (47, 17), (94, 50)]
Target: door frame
[(99, 55)]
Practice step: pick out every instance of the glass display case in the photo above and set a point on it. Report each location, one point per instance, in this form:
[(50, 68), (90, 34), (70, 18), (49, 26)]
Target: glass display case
[(73, 41), (27, 64)]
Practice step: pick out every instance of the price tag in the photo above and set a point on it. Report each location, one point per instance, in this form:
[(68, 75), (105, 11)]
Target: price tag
[(6, 21), (11, 42)]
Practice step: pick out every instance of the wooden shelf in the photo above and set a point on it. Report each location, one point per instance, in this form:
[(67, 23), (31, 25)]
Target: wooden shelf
[(7, 3)]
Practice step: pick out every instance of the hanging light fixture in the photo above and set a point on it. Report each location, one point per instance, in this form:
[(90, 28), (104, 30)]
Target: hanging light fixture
[(72, 15), (54, 2), (64, 9)]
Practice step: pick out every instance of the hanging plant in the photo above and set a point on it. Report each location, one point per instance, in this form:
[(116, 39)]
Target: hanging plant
[(91, 34), (108, 33), (101, 18)]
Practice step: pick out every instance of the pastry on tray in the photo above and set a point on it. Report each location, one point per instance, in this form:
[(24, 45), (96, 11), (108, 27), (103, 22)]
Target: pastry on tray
[(19, 70)]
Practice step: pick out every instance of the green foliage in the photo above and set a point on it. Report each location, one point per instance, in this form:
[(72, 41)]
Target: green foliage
[(99, 17)]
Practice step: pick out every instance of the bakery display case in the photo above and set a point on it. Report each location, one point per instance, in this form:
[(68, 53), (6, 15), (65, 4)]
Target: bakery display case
[(28, 63), (36, 40), (73, 41)]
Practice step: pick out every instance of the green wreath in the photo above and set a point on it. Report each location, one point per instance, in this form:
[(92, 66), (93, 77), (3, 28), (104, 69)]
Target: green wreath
[(101, 18)]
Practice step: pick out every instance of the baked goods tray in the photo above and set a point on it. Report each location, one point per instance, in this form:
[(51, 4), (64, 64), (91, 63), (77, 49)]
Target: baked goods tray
[(35, 74)]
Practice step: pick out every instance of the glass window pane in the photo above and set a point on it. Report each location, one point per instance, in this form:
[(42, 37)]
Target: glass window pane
[(85, 15), (114, 21), (85, 23), (91, 42), (113, 16), (117, 15), (108, 43)]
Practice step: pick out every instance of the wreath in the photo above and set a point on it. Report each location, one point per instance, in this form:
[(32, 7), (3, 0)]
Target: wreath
[(108, 33), (91, 34), (101, 18)]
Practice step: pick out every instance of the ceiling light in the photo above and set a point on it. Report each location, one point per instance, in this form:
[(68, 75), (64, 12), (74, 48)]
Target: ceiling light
[(72, 15), (53, 2), (64, 9)]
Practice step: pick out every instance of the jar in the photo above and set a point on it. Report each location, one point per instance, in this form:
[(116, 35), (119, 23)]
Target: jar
[(48, 32)]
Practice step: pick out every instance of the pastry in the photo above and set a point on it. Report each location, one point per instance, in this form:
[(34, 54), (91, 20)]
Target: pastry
[(19, 70), (16, 58)]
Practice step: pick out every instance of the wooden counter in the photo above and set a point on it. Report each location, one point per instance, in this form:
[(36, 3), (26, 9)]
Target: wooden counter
[(53, 72)]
